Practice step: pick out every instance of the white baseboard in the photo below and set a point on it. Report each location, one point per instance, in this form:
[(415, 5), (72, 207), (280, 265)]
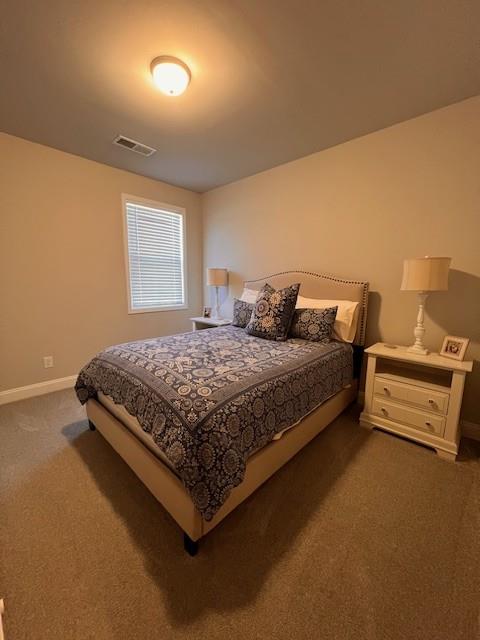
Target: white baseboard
[(470, 429), (37, 389)]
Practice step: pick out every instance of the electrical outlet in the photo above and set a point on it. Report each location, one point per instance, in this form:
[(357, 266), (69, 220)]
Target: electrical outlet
[(47, 362)]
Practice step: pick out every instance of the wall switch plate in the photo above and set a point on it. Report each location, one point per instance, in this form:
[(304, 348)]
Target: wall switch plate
[(47, 362)]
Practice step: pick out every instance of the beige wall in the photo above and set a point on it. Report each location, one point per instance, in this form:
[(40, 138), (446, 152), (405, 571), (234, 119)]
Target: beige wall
[(357, 210), (62, 270)]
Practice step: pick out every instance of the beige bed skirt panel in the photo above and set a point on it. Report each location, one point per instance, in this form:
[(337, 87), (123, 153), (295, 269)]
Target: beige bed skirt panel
[(169, 490), (155, 475)]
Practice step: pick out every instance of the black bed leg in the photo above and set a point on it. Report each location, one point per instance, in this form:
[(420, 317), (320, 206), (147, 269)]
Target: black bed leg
[(190, 546), (91, 426)]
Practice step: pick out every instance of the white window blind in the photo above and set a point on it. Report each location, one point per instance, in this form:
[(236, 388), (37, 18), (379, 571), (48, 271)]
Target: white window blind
[(155, 244)]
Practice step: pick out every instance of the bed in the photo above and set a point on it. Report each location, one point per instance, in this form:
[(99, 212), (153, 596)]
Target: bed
[(204, 418)]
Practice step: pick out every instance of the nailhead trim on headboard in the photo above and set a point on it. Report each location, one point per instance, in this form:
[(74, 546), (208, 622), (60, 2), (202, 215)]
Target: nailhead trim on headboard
[(324, 276)]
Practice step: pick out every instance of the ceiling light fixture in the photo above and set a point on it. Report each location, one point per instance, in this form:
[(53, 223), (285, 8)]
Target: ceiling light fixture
[(170, 75)]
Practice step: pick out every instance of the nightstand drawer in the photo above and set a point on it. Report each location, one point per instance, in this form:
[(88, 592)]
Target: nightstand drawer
[(418, 419), (425, 398)]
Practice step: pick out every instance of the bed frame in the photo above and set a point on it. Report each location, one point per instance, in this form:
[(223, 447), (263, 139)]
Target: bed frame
[(166, 486)]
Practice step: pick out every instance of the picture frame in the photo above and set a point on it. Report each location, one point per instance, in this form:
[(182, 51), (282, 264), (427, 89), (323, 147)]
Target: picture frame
[(207, 312), (454, 347)]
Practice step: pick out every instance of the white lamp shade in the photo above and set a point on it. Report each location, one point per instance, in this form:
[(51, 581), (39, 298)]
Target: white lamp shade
[(217, 277), (425, 274)]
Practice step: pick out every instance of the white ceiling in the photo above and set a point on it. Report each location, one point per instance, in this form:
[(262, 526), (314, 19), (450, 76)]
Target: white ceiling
[(272, 80)]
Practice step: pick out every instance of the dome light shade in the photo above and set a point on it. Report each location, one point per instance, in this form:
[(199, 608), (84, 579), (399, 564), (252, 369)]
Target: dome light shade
[(170, 75)]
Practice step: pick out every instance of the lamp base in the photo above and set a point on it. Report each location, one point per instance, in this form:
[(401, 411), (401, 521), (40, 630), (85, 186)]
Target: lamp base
[(420, 351), (216, 311), (419, 331)]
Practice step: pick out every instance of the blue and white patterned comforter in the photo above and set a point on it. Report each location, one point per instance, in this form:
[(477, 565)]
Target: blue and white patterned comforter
[(211, 398)]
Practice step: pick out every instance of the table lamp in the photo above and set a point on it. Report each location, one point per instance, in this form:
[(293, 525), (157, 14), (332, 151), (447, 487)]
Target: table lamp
[(424, 275), (217, 278)]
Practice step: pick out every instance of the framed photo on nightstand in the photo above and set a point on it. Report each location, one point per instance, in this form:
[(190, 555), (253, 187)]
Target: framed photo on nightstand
[(454, 347)]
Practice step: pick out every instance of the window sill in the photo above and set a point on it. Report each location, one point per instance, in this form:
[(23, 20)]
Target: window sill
[(158, 309)]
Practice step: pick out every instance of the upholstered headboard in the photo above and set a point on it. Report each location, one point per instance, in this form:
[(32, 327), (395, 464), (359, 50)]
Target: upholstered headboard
[(321, 286)]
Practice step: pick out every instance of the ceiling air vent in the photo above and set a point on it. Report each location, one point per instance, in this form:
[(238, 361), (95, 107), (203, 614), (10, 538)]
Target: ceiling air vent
[(133, 145)]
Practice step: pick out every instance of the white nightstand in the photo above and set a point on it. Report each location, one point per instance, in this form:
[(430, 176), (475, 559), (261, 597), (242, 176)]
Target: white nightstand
[(415, 396), (208, 323)]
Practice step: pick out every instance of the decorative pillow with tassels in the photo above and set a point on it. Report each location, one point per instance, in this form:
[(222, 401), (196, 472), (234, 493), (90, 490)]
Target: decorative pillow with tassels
[(315, 325), (273, 312), (242, 312)]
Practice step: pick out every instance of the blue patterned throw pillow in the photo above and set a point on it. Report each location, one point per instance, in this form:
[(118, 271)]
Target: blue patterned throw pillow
[(242, 312), (273, 312), (315, 325)]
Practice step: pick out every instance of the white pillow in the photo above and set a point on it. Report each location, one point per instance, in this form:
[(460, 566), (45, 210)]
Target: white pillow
[(249, 295), (345, 326)]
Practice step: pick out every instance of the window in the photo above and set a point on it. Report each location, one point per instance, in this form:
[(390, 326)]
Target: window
[(155, 255)]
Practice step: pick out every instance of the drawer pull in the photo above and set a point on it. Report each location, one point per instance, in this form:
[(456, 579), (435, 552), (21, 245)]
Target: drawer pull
[(384, 411), (428, 424), (387, 390), (432, 402)]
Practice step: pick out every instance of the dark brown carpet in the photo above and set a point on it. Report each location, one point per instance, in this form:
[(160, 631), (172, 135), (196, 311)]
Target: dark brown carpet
[(362, 536)]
